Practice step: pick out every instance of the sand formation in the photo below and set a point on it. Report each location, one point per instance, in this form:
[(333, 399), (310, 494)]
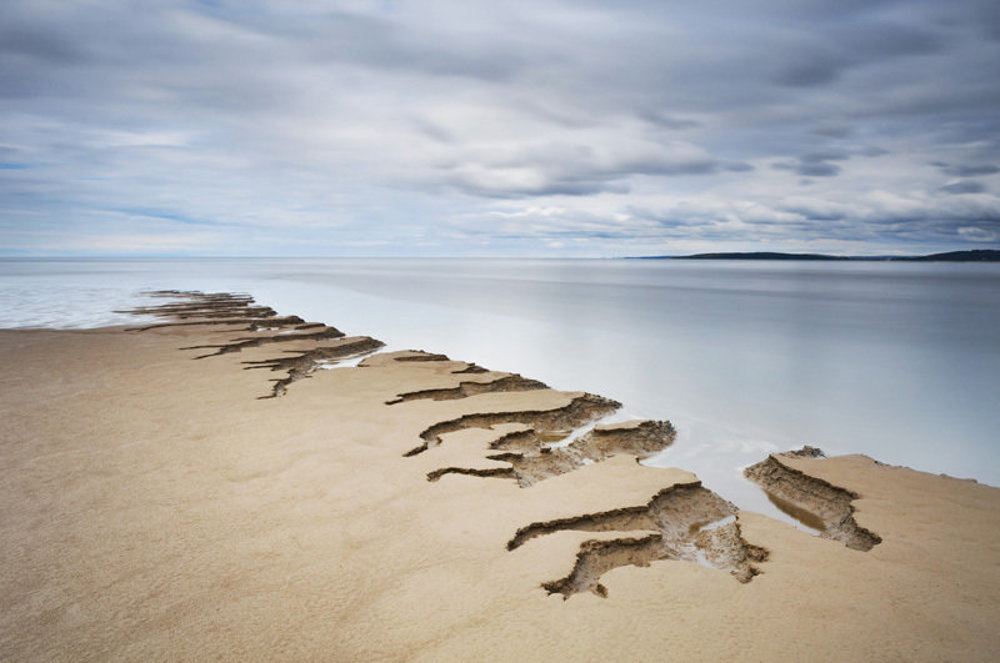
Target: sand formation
[(298, 366), (687, 521), (825, 507), (237, 312), (581, 410), (535, 460), (465, 389), (682, 522), (157, 509)]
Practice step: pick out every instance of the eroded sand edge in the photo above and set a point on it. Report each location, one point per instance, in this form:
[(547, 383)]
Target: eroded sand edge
[(156, 506)]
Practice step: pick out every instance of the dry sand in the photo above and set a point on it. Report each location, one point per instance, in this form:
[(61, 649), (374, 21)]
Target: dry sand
[(154, 507)]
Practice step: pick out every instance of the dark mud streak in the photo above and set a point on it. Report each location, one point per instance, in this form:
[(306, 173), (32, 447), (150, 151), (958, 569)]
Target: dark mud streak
[(196, 301), (598, 557), (240, 344), (526, 470), (616, 520), (423, 356), (232, 309), (220, 312), (534, 462), (471, 368), (832, 505), (488, 472), (300, 366), (253, 324), (519, 440), (201, 305), (579, 411), (643, 440), (352, 347), (545, 463), (465, 389), (678, 514)]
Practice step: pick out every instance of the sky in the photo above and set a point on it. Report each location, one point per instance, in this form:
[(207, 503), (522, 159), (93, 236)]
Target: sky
[(483, 128)]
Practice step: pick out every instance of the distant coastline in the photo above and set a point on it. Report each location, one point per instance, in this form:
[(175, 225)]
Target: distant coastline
[(978, 255)]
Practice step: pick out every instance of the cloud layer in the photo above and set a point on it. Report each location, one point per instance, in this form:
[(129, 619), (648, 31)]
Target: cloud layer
[(521, 128)]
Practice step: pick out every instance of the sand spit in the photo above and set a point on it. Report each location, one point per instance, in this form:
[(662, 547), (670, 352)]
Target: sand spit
[(240, 344), (154, 508)]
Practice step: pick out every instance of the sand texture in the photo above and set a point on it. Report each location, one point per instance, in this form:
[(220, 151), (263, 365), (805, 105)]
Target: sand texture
[(250, 505)]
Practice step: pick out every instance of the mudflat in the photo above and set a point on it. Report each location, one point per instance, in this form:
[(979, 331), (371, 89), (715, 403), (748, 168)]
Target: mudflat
[(223, 488)]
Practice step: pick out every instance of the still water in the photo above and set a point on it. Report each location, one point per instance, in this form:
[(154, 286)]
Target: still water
[(900, 361)]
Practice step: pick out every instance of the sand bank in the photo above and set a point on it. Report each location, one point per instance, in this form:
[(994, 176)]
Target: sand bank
[(158, 506)]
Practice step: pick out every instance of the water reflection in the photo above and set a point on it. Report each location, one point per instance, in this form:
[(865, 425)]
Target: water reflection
[(805, 518)]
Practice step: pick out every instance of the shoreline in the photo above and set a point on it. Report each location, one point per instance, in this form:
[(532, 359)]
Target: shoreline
[(918, 371), (149, 494)]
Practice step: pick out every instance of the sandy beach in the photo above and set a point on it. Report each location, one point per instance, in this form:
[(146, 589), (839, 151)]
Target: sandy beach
[(216, 487)]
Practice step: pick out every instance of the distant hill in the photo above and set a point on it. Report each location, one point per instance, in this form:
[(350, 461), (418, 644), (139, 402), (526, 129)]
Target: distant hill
[(763, 255), (977, 255)]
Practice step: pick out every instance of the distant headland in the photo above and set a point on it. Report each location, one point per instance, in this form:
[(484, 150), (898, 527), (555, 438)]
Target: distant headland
[(978, 255)]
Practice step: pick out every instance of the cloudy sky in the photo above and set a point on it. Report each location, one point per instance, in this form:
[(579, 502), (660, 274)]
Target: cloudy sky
[(524, 127)]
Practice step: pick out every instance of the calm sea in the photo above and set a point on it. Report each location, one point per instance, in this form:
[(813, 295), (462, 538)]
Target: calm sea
[(900, 361)]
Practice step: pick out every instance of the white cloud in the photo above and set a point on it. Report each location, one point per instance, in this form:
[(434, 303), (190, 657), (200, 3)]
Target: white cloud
[(324, 126)]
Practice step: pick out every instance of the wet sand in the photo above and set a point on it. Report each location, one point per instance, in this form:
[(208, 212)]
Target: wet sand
[(158, 506)]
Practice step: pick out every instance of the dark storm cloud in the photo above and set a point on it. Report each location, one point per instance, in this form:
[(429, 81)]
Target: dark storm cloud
[(965, 186), (820, 156), (818, 169), (873, 151), (343, 116), (969, 170), (815, 164), (667, 121), (814, 212), (987, 13), (831, 52), (835, 131), (28, 42)]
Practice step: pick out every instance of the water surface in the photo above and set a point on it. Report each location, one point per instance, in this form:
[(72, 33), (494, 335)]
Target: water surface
[(899, 361)]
